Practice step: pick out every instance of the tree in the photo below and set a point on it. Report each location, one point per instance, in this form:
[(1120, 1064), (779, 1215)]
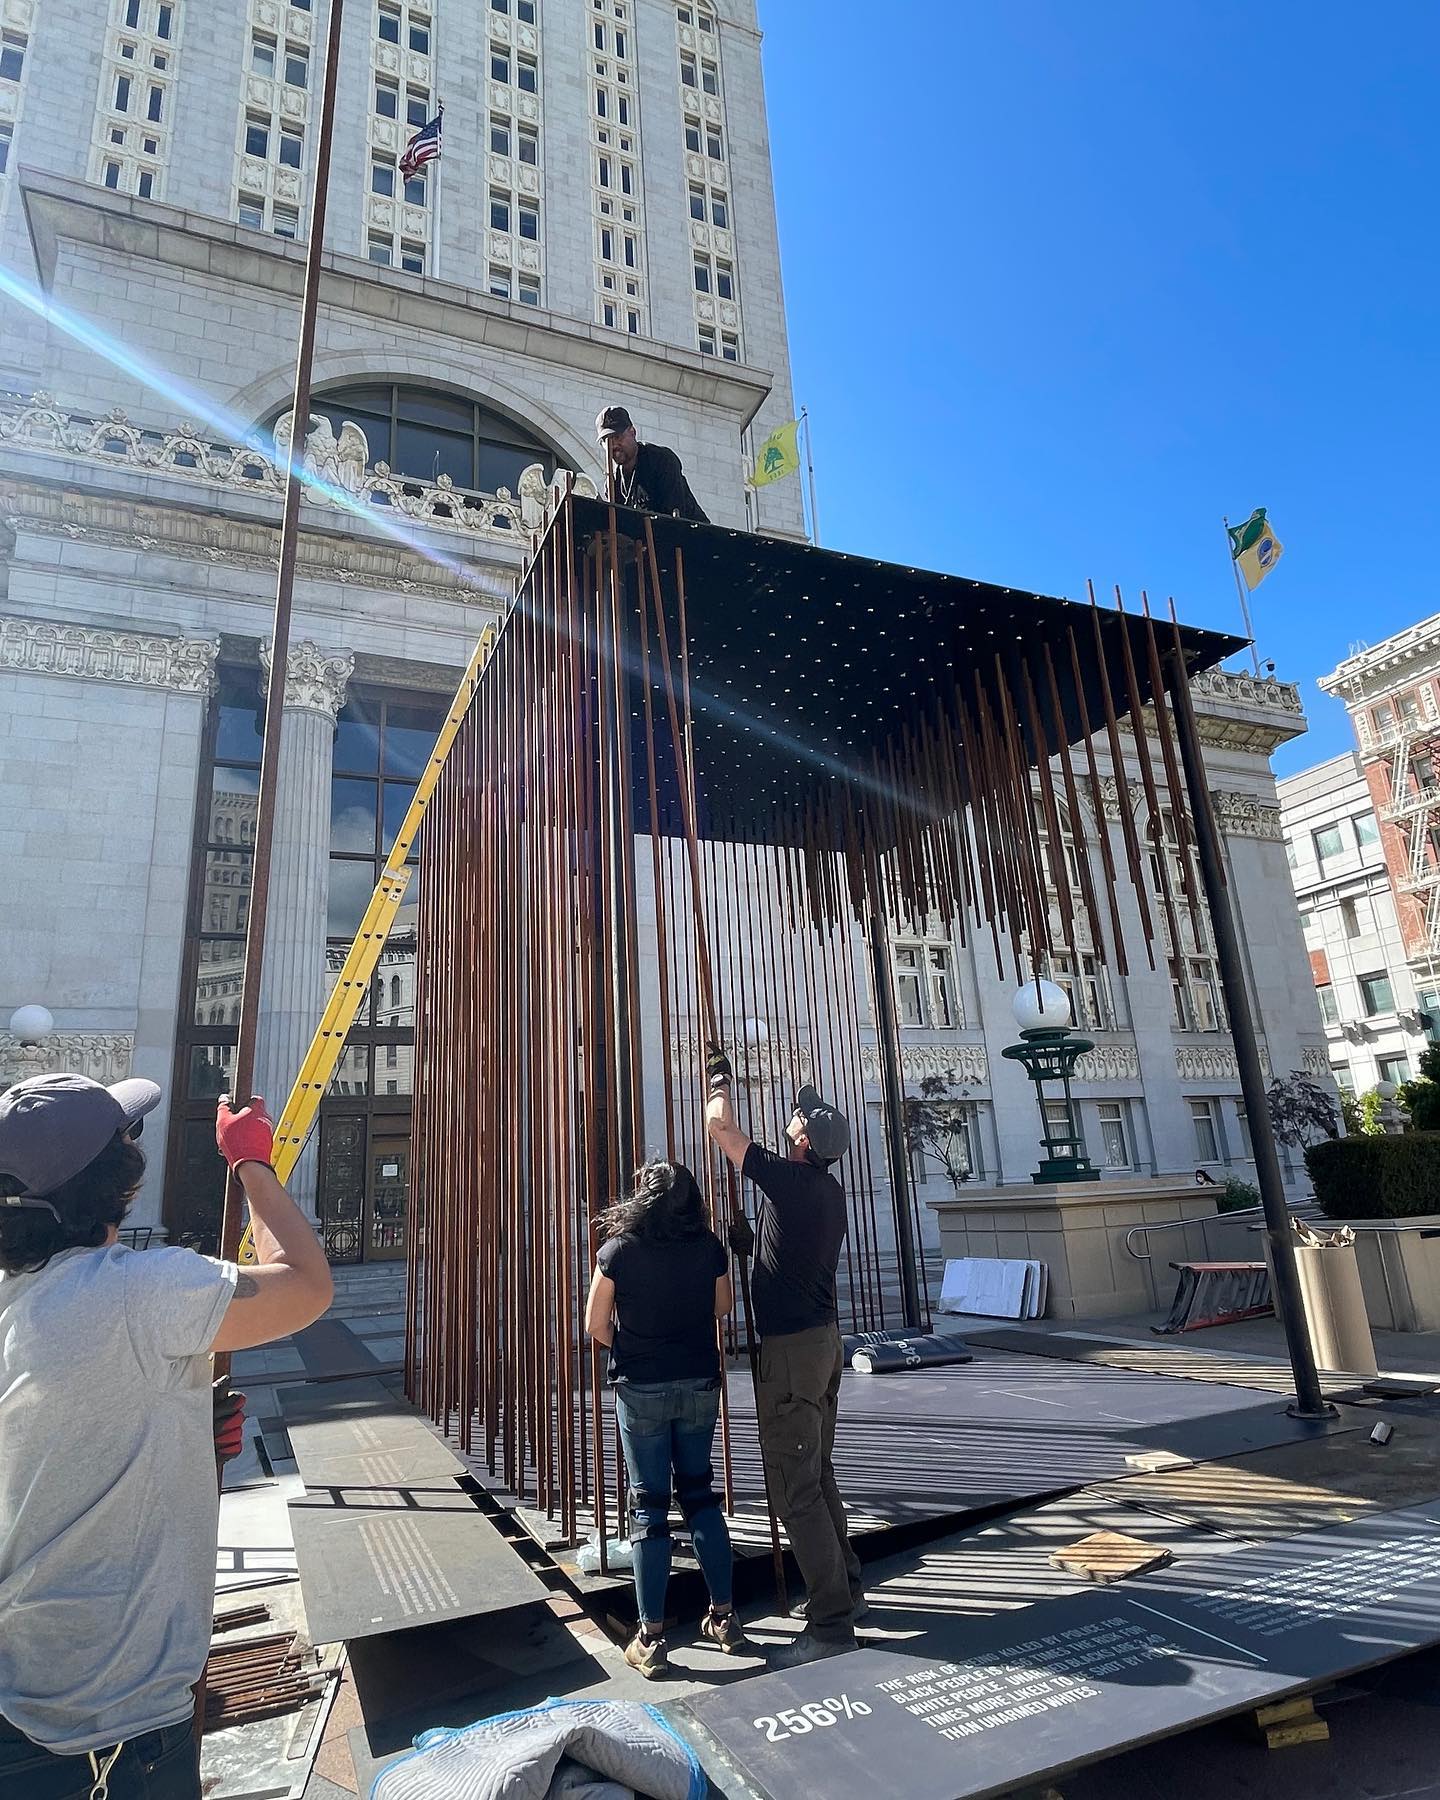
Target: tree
[(930, 1124), (1421, 1097), (1300, 1109)]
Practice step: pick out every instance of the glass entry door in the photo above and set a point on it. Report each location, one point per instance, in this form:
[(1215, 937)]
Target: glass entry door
[(388, 1202)]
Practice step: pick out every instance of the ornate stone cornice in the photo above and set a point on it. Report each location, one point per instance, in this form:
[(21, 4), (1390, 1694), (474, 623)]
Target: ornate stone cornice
[(1246, 815), (1109, 1062), (1372, 672), (47, 509), (1213, 1062), (102, 1055), (1243, 712), (315, 679), (965, 1065), (94, 653), (339, 469)]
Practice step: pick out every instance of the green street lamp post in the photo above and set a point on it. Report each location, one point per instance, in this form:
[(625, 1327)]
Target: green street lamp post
[(1048, 1052)]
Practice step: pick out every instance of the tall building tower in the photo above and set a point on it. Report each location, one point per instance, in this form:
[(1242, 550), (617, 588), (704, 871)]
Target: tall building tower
[(599, 230)]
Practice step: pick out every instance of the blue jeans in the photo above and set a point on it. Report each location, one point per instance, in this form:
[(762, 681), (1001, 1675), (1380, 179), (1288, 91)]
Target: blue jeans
[(666, 1430), (158, 1765)]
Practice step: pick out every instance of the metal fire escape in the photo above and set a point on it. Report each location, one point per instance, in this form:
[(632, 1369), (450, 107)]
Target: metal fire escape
[(1412, 749)]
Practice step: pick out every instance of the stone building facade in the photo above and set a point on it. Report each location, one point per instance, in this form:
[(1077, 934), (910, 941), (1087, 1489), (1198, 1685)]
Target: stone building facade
[(601, 227), (1363, 838)]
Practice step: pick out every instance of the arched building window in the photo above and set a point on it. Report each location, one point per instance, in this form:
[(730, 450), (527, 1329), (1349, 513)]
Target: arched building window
[(427, 432)]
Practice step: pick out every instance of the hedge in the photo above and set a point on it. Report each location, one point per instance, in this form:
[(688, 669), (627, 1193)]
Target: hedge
[(1376, 1177)]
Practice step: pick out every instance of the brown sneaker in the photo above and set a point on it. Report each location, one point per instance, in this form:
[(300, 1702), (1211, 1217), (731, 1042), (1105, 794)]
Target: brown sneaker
[(648, 1655), (725, 1631)]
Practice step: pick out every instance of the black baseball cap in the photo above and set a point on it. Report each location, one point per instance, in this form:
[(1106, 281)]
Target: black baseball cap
[(53, 1126), (612, 422), (827, 1129)]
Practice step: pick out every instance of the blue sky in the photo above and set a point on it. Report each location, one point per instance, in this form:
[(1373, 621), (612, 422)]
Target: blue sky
[(1068, 280)]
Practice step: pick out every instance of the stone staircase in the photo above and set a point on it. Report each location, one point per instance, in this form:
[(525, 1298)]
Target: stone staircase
[(368, 1288)]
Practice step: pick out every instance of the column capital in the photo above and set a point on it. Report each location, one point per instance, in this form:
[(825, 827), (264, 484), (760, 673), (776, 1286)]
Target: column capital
[(1246, 815), (315, 679)]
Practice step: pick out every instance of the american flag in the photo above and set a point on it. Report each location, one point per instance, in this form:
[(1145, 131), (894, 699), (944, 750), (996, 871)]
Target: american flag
[(424, 147)]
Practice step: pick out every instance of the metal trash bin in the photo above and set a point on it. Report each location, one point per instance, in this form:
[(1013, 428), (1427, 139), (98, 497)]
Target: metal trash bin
[(1334, 1301)]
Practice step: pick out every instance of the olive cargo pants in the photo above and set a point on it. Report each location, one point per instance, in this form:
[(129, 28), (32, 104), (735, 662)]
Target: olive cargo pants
[(795, 1402)]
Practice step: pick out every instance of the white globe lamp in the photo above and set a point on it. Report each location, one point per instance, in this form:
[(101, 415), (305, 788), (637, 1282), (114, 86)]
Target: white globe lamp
[(1387, 1090), (1041, 1006), (757, 1032), (31, 1024)]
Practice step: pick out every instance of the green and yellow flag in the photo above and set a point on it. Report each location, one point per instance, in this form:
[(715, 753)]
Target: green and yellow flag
[(779, 455), (1255, 547)]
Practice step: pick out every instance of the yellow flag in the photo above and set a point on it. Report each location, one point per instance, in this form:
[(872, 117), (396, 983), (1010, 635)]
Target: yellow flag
[(1255, 548), (779, 455)]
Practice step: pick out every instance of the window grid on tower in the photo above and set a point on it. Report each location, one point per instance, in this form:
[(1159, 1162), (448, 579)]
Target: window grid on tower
[(136, 101), (399, 215), (511, 202), (621, 297), (15, 59), (282, 68), (716, 295)]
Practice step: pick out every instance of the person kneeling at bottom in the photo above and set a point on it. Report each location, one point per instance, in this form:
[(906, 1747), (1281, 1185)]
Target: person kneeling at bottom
[(662, 1279)]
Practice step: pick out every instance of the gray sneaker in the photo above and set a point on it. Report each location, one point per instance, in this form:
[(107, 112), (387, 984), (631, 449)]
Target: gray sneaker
[(725, 1631), (807, 1648), (647, 1655)]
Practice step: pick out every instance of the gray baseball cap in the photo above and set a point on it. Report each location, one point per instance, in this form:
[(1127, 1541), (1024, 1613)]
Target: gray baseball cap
[(827, 1129), (53, 1126)]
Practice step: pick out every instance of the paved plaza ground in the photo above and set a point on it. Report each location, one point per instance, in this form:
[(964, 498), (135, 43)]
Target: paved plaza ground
[(1101, 1392)]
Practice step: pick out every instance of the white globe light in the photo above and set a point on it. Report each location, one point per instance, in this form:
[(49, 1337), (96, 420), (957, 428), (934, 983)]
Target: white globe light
[(1387, 1090), (31, 1024), (756, 1031), (1041, 1006)]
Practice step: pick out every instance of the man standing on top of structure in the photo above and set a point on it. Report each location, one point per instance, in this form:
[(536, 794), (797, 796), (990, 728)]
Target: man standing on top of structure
[(646, 476), (802, 1224)]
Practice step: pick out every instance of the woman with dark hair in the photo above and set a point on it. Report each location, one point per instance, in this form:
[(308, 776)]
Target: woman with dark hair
[(662, 1279)]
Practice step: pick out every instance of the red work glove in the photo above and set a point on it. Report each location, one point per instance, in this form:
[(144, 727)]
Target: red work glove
[(229, 1420), (244, 1136)]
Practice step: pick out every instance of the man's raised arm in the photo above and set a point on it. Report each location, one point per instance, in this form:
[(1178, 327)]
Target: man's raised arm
[(719, 1114)]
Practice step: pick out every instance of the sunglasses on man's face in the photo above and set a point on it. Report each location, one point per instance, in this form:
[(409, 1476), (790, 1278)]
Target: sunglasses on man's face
[(134, 1131)]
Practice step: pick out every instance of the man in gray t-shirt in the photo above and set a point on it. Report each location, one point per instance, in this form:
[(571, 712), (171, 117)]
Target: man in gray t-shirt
[(108, 1505)]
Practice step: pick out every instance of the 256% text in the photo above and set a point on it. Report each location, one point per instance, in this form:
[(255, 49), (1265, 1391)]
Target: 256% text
[(796, 1721)]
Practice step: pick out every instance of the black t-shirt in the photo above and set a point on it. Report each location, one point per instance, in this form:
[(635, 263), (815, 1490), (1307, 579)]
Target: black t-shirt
[(656, 484), (664, 1306), (799, 1228)]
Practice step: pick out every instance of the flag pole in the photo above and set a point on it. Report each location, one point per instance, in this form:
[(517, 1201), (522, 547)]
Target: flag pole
[(1244, 596), (244, 1070), (243, 1074), (810, 471), (435, 195)]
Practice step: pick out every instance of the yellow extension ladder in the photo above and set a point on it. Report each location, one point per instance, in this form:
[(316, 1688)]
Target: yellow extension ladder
[(318, 1069)]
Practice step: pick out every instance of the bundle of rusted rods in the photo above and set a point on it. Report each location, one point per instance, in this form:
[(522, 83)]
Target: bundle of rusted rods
[(597, 901)]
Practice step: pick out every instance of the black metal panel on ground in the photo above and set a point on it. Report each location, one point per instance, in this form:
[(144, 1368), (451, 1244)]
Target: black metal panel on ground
[(1189, 1362), (384, 1537), (940, 1443), (1033, 1693)]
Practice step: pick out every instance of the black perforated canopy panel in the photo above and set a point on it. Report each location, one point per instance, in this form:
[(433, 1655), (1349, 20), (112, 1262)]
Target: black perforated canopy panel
[(812, 672)]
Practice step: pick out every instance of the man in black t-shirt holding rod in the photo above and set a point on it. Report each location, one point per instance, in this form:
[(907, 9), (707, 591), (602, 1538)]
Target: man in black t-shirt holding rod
[(801, 1227), (646, 476)]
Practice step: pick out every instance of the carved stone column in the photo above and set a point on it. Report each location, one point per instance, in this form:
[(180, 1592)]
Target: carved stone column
[(293, 995)]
